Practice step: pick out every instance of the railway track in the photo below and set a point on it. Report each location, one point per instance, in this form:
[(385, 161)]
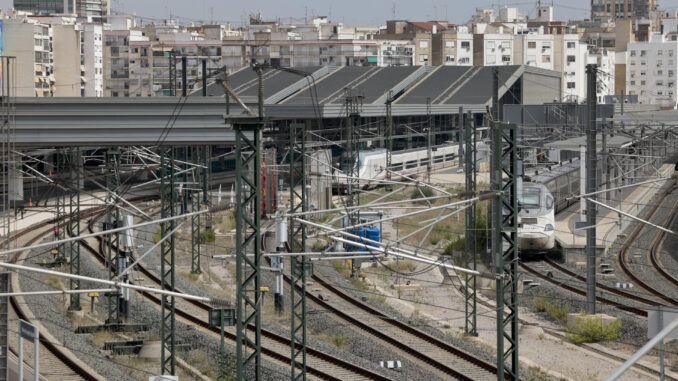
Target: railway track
[(275, 347), (56, 362), (578, 291), (656, 248), (656, 242), (422, 347)]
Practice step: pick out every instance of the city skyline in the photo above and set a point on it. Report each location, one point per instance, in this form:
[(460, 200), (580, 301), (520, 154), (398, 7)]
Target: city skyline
[(373, 13)]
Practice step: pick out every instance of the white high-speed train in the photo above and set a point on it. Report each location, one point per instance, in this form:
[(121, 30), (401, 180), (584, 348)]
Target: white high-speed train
[(536, 219), (406, 162), (545, 192)]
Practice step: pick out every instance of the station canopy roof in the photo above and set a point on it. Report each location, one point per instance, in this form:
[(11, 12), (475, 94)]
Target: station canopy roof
[(305, 91)]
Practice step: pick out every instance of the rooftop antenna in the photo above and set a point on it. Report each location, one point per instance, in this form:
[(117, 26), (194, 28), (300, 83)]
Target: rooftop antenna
[(212, 15), (393, 11), (329, 16)]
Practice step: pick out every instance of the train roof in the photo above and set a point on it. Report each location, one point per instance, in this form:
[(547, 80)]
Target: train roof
[(545, 175)]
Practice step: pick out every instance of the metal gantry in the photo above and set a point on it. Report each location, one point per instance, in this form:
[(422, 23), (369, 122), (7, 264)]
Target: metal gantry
[(248, 240), (470, 325), (299, 264), (505, 246), (167, 306), (74, 225), (112, 159)]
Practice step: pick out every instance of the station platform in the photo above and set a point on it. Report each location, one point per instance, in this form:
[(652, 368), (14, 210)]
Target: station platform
[(572, 241)]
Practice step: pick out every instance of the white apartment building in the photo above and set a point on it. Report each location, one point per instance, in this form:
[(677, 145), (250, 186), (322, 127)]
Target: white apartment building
[(651, 71), (605, 60), (92, 59), (534, 49), (453, 48), (570, 58), (31, 43), (493, 49)]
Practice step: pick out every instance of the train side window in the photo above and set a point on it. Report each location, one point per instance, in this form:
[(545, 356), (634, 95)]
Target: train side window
[(549, 202)]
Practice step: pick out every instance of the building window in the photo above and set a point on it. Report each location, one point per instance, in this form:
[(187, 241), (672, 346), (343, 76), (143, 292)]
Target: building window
[(570, 85), (532, 45), (659, 83), (545, 59), (670, 73), (642, 73), (571, 45), (506, 58), (633, 63), (423, 58), (660, 72), (633, 53), (464, 60), (643, 53), (449, 44), (466, 44), (449, 58), (642, 83), (659, 63), (670, 52), (423, 44), (571, 59), (642, 92), (633, 83), (660, 52)]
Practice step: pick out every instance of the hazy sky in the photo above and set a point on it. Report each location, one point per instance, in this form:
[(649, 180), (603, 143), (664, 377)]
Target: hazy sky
[(351, 12)]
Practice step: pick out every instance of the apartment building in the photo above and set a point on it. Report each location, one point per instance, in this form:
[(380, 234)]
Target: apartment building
[(31, 43), (570, 58), (534, 49), (92, 10), (493, 49), (92, 59), (621, 9), (651, 71), (453, 47)]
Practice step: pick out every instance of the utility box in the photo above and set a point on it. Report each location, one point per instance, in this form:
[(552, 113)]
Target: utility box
[(216, 314)]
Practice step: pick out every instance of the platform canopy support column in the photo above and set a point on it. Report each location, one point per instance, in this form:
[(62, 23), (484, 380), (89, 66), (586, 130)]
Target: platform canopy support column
[(505, 247), (194, 190)]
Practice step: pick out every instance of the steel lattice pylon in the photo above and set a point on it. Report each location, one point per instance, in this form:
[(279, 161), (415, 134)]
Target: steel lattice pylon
[(470, 235), (61, 223), (74, 228), (112, 240), (168, 201), (299, 264), (195, 220), (389, 138), (248, 238), (505, 246)]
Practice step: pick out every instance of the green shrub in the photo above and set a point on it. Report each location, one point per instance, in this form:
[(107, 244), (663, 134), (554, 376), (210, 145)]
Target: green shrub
[(207, 236), (556, 311), (157, 236), (338, 340), (319, 245), (590, 329), (418, 192), (457, 244)]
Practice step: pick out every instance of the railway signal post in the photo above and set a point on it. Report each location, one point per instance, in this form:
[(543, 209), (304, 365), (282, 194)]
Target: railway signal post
[(505, 246)]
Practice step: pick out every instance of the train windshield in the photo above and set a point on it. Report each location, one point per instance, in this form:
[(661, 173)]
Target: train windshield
[(529, 198)]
